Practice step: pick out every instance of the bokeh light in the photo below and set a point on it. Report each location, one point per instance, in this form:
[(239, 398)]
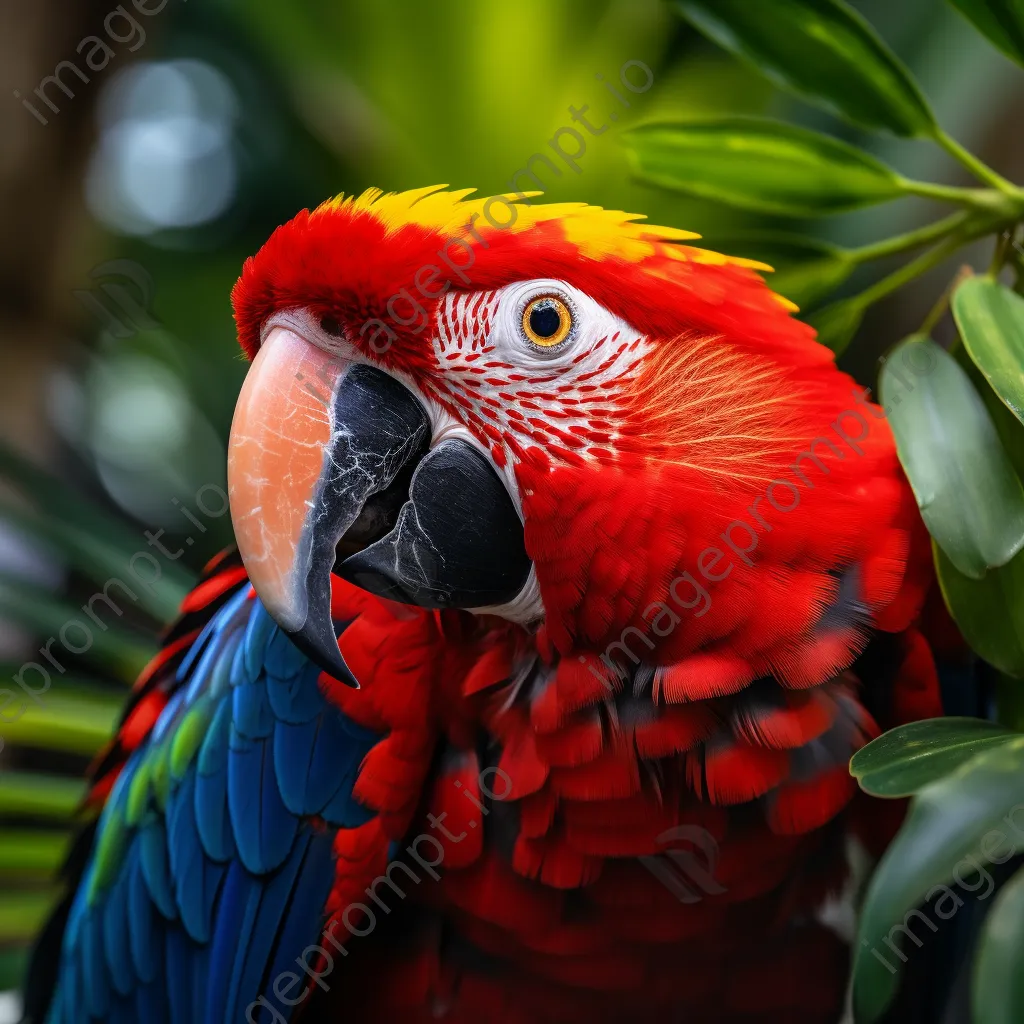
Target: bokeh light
[(165, 156)]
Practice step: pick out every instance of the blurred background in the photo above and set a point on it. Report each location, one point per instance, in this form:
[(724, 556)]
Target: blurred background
[(133, 189)]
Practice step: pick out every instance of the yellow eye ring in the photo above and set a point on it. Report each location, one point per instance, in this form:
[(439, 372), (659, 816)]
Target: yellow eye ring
[(547, 321)]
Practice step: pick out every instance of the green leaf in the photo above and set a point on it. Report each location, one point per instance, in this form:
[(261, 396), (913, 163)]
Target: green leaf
[(989, 612), (1009, 702), (805, 270), (762, 165), (22, 914), (40, 796), (48, 492), (991, 322), (13, 964), (32, 854), (997, 983), (837, 323), (902, 761), (969, 495), (98, 544), (955, 825), (67, 717), (121, 650), (108, 566), (1002, 21), (1009, 428), (823, 50)]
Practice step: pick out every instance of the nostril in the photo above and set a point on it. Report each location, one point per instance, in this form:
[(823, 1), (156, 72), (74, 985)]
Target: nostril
[(329, 325)]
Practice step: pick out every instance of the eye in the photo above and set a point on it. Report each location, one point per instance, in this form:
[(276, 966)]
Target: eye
[(547, 321)]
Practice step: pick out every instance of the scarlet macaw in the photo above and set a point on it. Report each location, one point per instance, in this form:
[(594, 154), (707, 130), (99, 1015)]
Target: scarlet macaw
[(515, 602)]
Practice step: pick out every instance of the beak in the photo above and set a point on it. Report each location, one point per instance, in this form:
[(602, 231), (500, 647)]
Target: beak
[(329, 467)]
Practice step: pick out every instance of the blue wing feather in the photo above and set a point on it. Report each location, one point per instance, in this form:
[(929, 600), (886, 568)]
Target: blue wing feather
[(178, 970), (293, 759), (142, 930), (156, 869), (252, 715), (211, 798), (236, 917), (116, 938), (197, 879), (263, 827), (122, 1011), (308, 895), (200, 974), (94, 964), (154, 994), (207, 877), (152, 1003)]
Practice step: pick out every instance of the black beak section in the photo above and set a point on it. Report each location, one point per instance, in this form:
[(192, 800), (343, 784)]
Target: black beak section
[(458, 541), (377, 430), (435, 528)]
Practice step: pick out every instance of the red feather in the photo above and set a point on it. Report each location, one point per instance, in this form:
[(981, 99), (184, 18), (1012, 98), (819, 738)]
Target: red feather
[(731, 773)]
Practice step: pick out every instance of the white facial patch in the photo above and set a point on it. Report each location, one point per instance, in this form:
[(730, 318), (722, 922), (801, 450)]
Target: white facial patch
[(563, 398)]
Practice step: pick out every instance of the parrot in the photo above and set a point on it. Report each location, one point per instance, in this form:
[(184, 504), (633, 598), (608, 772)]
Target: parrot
[(570, 573)]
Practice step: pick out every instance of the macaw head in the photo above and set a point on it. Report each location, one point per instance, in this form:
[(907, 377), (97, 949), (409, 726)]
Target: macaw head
[(547, 413)]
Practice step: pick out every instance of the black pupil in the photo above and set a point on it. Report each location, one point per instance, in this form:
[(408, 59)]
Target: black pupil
[(329, 325), (544, 319)]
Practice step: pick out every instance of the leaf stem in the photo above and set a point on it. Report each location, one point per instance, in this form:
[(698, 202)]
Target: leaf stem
[(944, 193), (1000, 253), (979, 169), (1017, 262), (971, 228), (905, 274), (937, 311), (911, 239)]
